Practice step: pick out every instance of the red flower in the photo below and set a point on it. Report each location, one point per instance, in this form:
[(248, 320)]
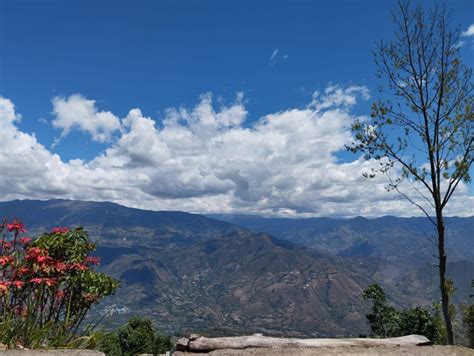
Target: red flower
[(44, 259), (92, 260), (38, 255), (17, 284), (24, 240), (49, 281), (60, 294), (7, 245), (23, 270), (60, 266), (16, 225), (78, 267), (4, 260), (59, 230), (33, 252)]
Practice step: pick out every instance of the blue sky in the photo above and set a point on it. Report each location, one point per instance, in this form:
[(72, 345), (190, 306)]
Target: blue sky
[(156, 55)]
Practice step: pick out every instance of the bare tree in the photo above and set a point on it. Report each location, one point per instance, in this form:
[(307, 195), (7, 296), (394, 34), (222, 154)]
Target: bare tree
[(422, 125)]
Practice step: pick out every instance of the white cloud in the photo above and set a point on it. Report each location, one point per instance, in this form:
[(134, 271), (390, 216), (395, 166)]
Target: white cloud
[(81, 113), (26, 167), (335, 96), (277, 56), (469, 32), (209, 159), (274, 54), (7, 111)]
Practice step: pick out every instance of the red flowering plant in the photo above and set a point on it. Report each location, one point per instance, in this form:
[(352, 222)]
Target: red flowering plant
[(47, 284)]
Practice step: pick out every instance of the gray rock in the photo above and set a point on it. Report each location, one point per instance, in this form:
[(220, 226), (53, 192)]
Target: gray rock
[(68, 352)]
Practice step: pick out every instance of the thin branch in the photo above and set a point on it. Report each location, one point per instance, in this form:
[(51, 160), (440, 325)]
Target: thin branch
[(417, 205)]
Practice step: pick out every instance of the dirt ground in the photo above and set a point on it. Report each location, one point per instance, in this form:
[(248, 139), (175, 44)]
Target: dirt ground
[(342, 351)]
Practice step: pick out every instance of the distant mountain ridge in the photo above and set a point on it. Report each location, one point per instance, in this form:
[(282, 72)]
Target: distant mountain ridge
[(193, 273), (405, 247), (68, 212), (385, 237)]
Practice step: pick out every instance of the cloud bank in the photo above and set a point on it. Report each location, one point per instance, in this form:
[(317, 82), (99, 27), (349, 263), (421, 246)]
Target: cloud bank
[(207, 159)]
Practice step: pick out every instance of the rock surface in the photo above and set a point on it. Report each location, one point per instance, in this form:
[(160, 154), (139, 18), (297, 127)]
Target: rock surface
[(343, 351), (205, 344), (260, 345)]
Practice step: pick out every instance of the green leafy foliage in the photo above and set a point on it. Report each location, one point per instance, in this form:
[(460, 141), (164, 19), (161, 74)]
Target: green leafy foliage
[(135, 337), (468, 323), (109, 343), (421, 127), (386, 321), (47, 286), (384, 318), (419, 321)]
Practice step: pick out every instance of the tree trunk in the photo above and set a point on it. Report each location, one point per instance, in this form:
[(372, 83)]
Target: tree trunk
[(199, 343), (442, 278)]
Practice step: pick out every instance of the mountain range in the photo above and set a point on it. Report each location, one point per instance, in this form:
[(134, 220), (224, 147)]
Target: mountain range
[(387, 237), (405, 248), (233, 274)]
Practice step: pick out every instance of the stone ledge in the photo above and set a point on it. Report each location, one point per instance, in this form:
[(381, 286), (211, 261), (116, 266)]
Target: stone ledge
[(342, 351)]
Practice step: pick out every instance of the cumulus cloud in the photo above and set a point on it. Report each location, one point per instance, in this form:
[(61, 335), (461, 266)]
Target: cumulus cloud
[(210, 159), (7, 111), (469, 32), (78, 112), (26, 167), (335, 96)]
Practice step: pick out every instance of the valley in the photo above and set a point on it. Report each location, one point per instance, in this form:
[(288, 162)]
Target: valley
[(192, 273)]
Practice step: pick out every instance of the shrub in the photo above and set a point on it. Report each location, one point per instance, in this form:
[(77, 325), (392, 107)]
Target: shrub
[(135, 337), (109, 343), (47, 285), (468, 323), (386, 321), (419, 321)]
